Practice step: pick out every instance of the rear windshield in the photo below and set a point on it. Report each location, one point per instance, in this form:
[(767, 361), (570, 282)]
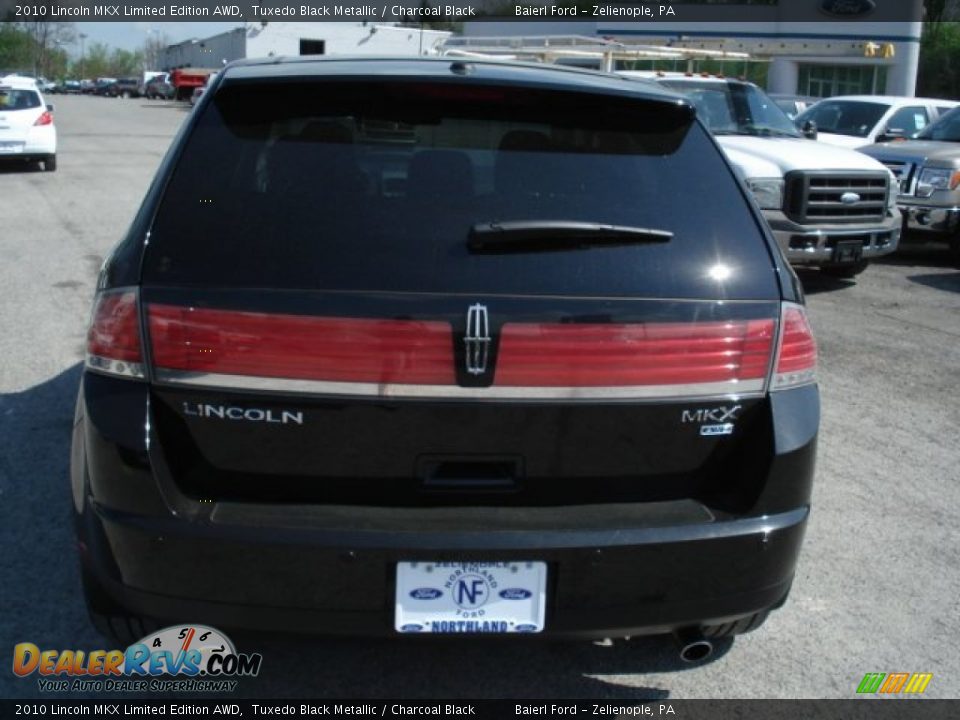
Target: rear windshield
[(844, 117), (11, 99), (376, 186)]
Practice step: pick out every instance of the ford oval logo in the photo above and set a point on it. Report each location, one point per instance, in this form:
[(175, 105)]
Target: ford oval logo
[(411, 627), (515, 594), (848, 8), (526, 628), (426, 593), (849, 198)]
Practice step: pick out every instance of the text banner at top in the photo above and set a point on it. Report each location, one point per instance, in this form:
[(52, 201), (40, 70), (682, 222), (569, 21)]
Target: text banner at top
[(693, 11)]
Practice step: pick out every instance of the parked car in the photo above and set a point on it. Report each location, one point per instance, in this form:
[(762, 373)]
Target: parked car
[(856, 120), (539, 370), (159, 88), (123, 88), (101, 86), (792, 105), (827, 207), (928, 169), (27, 131), (198, 91), (70, 87)]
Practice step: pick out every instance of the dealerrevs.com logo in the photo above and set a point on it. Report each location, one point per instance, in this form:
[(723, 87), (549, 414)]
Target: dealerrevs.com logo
[(187, 658)]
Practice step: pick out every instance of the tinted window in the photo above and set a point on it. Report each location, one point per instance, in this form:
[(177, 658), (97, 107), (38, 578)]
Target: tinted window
[(946, 129), (376, 186), (844, 117), (730, 108), (11, 99), (909, 120)]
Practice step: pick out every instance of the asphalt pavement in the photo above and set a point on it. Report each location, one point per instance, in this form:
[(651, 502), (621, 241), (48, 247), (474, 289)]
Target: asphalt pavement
[(878, 588)]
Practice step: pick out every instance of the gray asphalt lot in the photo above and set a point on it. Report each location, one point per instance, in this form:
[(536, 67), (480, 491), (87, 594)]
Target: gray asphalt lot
[(878, 588)]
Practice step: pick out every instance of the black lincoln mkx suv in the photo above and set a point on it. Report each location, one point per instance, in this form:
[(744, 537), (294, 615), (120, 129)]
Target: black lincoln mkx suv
[(417, 346)]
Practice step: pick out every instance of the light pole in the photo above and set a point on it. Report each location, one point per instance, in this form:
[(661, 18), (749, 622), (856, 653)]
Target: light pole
[(83, 36)]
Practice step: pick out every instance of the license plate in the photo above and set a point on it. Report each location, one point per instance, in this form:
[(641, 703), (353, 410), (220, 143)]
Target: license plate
[(507, 597), (848, 251), (11, 147)]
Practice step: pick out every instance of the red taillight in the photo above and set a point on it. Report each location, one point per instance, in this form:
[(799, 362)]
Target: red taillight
[(637, 354), (113, 340), (797, 358), (300, 347), (45, 119)]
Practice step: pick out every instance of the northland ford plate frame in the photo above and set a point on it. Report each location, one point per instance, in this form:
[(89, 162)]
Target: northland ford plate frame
[(464, 597)]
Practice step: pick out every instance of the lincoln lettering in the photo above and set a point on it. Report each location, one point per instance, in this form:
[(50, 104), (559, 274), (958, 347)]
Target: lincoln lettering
[(225, 412)]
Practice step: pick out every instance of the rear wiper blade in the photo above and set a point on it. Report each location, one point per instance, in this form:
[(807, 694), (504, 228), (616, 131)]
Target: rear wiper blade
[(548, 235)]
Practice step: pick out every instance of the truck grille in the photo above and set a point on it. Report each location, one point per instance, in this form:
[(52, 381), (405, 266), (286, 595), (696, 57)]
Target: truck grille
[(828, 197), (905, 174)]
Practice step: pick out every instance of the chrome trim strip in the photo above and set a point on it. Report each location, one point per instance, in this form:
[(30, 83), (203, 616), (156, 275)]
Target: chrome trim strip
[(216, 381)]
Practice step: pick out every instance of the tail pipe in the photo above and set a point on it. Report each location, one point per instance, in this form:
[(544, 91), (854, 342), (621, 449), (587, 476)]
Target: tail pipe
[(693, 646)]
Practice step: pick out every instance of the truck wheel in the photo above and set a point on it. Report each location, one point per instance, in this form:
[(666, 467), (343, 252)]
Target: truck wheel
[(844, 271), (737, 627)]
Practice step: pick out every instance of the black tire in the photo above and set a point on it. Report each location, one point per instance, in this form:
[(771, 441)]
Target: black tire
[(50, 163), (844, 271), (110, 619), (737, 627)]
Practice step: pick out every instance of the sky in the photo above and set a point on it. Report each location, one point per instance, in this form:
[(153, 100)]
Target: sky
[(131, 35)]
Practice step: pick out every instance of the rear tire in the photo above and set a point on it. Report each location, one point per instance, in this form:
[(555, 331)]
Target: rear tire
[(845, 272), (737, 627), (50, 163), (109, 618)]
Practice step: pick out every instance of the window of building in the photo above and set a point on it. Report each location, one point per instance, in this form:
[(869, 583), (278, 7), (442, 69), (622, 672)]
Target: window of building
[(830, 80), (312, 47)]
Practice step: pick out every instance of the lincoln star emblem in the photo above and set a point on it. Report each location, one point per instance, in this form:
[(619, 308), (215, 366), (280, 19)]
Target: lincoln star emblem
[(477, 339)]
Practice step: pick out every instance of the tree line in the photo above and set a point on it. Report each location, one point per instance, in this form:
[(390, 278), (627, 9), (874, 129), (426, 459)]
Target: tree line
[(57, 50)]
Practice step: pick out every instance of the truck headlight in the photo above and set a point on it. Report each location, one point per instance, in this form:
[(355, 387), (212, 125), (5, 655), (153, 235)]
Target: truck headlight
[(767, 191), (937, 179)]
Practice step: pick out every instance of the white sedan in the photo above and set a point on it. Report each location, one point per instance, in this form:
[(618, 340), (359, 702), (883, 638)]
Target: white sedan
[(27, 131)]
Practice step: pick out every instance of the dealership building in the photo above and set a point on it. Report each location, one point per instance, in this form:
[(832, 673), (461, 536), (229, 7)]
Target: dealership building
[(868, 55), (274, 39)]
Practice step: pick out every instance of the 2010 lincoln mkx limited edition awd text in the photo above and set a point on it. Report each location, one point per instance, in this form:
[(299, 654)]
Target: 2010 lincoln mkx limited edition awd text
[(407, 347)]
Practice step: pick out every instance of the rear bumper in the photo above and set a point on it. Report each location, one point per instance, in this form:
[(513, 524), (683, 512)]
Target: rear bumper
[(332, 570)]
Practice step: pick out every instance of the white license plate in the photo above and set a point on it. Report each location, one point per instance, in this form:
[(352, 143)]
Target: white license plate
[(11, 147), (470, 597)]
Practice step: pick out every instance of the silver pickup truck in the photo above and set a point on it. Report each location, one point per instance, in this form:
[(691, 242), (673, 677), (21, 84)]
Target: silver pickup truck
[(928, 168)]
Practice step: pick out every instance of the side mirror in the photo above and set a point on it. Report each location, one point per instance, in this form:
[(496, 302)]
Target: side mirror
[(809, 130), (50, 107), (890, 133)]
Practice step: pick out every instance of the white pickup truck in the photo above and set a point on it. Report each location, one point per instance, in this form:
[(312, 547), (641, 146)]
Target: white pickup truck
[(827, 206)]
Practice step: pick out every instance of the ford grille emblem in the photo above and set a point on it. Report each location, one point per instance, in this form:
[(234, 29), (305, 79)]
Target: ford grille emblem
[(477, 339), (849, 198)]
